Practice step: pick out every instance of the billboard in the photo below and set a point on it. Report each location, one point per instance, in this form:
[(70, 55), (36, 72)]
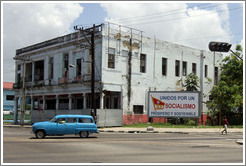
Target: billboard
[(174, 104)]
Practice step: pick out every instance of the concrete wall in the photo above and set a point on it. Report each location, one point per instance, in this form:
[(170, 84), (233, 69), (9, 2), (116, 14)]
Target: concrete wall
[(109, 117), (8, 105), (46, 115), (152, 80)]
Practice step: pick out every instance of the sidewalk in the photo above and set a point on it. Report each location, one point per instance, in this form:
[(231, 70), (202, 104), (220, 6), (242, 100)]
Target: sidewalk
[(168, 130)]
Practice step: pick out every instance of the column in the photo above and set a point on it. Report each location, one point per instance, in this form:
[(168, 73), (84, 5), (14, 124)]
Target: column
[(16, 110), (84, 100), (33, 73), (102, 100), (57, 102), (44, 102), (69, 101), (46, 68), (31, 103)]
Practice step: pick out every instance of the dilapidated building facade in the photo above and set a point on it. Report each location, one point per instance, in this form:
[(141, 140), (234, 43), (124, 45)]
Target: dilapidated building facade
[(127, 66)]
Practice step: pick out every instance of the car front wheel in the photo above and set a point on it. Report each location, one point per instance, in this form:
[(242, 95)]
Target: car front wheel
[(84, 134), (40, 134)]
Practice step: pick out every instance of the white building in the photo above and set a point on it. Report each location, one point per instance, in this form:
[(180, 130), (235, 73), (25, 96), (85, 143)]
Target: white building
[(124, 72)]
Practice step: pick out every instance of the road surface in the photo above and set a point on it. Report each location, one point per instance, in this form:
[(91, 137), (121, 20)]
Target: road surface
[(20, 146)]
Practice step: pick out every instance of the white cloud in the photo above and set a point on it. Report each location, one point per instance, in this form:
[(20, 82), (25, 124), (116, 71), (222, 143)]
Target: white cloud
[(177, 23), (29, 23)]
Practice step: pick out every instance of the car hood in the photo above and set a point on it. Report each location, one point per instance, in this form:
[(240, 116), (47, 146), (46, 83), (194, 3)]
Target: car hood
[(41, 123)]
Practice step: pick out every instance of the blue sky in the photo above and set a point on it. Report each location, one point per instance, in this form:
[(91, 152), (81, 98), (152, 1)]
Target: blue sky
[(193, 24), (94, 13)]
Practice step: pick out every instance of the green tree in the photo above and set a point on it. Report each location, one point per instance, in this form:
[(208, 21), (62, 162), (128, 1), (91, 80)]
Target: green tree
[(191, 82), (228, 94)]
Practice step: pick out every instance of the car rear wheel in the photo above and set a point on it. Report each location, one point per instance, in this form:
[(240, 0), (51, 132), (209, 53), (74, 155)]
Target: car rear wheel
[(40, 134), (84, 134)]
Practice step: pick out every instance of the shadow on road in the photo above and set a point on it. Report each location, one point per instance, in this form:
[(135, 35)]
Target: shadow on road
[(59, 137)]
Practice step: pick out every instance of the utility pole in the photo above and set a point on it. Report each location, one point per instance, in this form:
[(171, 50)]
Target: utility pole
[(92, 52), (93, 73), (23, 105), (129, 73), (201, 84)]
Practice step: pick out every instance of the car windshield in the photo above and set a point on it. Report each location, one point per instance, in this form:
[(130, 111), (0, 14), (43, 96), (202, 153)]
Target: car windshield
[(53, 119)]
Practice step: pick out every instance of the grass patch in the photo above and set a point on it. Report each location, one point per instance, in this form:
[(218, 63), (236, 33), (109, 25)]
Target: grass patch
[(11, 117), (169, 125)]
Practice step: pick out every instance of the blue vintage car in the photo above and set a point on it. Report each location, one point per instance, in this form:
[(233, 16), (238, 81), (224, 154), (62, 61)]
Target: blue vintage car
[(66, 124)]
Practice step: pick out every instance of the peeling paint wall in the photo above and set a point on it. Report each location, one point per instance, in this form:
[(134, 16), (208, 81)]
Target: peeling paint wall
[(153, 79)]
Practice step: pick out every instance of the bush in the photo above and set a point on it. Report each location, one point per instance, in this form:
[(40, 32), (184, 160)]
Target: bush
[(191, 123)]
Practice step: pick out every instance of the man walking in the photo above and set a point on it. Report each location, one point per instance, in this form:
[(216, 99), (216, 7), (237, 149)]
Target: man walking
[(225, 126)]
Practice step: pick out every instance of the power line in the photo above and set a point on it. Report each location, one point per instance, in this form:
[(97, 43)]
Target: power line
[(180, 18), (162, 14), (207, 37), (159, 13)]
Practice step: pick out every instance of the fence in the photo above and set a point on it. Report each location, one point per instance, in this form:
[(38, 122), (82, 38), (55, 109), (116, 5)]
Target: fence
[(109, 117), (105, 117)]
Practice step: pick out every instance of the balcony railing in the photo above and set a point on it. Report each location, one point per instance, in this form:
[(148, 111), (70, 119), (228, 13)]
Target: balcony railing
[(63, 80)]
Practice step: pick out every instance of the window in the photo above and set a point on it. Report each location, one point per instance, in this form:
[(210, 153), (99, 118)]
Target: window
[(177, 68), (10, 97), (85, 120), (60, 120), (71, 120), (142, 63), (206, 71), (138, 109), (39, 70), (78, 68), (18, 78), (216, 74), (51, 66), (194, 68), (19, 67), (184, 69), (164, 66), (65, 65), (124, 53), (111, 58)]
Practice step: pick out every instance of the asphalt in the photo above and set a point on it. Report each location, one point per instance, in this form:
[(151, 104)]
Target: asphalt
[(157, 130)]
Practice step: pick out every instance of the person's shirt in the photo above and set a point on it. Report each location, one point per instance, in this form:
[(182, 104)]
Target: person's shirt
[(225, 122)]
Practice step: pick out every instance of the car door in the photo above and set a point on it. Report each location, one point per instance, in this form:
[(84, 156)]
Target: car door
[(85, 124), (58, 127), (70, 125)]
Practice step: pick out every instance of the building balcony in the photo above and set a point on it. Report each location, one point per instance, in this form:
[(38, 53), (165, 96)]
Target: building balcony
[(17, 85), (78, 79), (63, 80), (38, 83)]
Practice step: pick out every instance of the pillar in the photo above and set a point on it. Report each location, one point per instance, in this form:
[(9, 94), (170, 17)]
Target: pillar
[(31, 103), (33, 71), (102, 100), (69, 101), (84, 100), (44, 102)]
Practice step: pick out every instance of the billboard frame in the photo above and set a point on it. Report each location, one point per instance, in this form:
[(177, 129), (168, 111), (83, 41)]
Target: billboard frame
[(175, 92)]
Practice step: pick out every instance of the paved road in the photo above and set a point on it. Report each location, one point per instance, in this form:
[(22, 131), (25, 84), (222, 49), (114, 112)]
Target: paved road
[(19, 146)]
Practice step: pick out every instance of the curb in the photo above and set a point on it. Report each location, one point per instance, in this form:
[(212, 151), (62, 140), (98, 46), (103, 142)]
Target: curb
[(240, 142), (137, 131)]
